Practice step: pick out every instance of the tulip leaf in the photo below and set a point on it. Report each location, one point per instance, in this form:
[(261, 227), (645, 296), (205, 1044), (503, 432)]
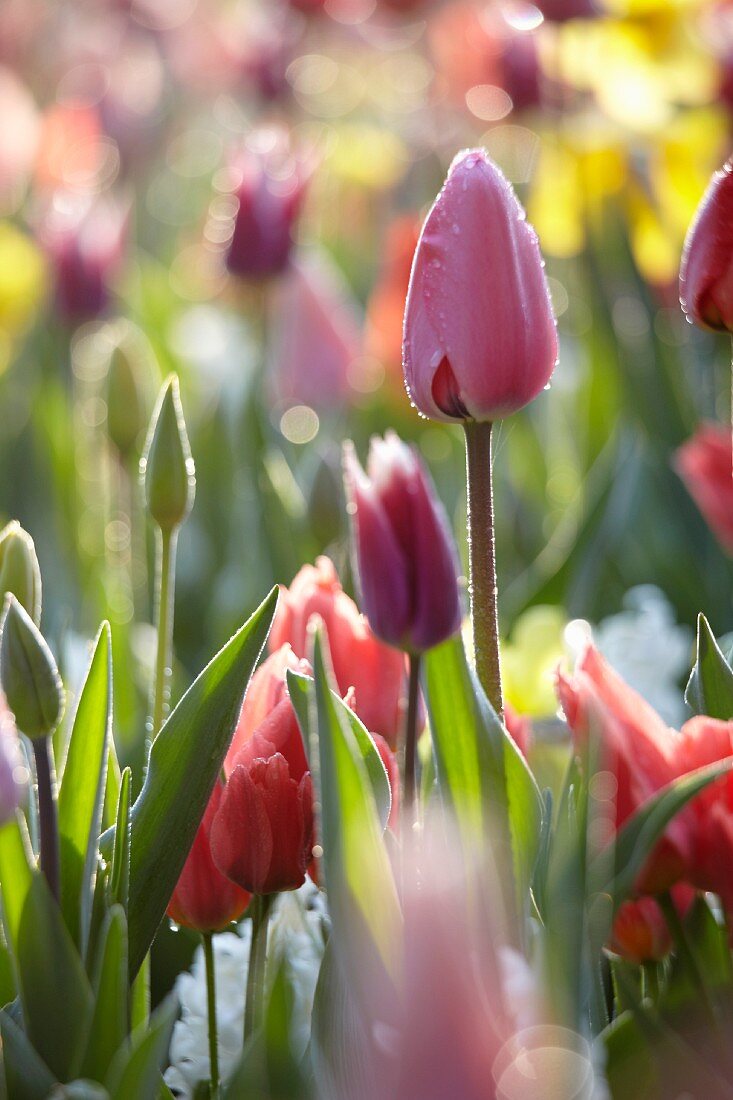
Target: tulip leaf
[(340, 1040), (135, 1069), (119, 876), (54, 989), (710, 687), (27, 1077), (82, 789), (636, 839), (298, 689), (483, 778), (185, 759), (111, 1010), (355, 860)]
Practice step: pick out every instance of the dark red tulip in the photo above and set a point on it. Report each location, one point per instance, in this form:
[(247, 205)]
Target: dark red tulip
[(706, 272)]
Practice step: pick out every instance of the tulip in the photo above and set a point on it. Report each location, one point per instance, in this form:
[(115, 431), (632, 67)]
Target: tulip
[(479, 343), (479, 339), (267, 688), (704, 464), (404, 553), (262, 834), (85, 245), (19, 569), (706, 272), (204, 899), (13, 770), (637, 749), (385, 309), (640, 932), (359, 660), (270, 188)]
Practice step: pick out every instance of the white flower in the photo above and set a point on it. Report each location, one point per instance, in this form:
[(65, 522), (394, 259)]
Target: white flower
[(298, 927)]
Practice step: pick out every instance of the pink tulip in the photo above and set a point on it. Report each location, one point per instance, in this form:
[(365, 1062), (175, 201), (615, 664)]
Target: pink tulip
[(13, 769), (406, 559), (640, 932), (480, 339), (706, 272), (267, 688), (704, 464)]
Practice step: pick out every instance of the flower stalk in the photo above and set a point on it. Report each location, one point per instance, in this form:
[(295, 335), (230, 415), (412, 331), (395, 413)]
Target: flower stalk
[(482, 560), (255, 996), (413, 707), (207, 939)]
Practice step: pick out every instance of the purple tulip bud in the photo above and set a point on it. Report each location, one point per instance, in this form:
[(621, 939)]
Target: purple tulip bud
[(405, 555), (270, 188), (13, 768)]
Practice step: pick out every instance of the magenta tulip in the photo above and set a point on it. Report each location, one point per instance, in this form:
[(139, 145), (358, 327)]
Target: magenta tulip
[(706, 273), (479, 339), (406, 560)]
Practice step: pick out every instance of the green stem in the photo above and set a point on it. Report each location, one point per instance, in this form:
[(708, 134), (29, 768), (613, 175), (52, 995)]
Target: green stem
[(650, 979), (413, 706), (47, 814), (684, 950), (165, 546), (211, 1006), (482, 561), (254, 1004)]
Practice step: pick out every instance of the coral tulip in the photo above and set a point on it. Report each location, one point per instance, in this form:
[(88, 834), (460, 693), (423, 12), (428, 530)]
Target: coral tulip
[(704, 464), (640, 931), (706, 272), (267, 688), (359, 660), (480, 339), (270, 188), (262, 834), (406, 559), (204, 899)]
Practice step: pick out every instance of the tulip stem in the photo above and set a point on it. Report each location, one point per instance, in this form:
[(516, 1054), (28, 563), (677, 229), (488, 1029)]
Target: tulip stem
[(165, 566), (685, 951), (211, 1008), (254, 1003), (482, 560), (47, 815), (413, 699)]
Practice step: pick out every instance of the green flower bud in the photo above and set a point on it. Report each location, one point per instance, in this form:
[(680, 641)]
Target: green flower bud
[(28, 673), (167, 466), (128, 360), (19, 570)]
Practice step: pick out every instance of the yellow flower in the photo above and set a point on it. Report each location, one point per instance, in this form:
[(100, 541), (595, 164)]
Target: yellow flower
[(529, 660), (22, 279)]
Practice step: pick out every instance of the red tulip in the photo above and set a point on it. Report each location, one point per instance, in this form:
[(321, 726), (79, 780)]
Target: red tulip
[(636, 748), (204, 899), (640, 931), (704, 463), (706, 272), (480, 339), (374, 670), (262, 834), (270, 187), (406, 559), (267, 688)]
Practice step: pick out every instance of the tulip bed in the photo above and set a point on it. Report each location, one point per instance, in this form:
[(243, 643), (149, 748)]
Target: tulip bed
[(449, 816)]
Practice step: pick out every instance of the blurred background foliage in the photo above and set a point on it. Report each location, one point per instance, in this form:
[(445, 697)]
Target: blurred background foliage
[(120, 118)]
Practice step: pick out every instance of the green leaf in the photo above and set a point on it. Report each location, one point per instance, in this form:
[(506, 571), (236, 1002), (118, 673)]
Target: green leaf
[(298, 688), (340, 1041), (710, 687), (636, 839), (82, 788), (355, 861), (482, 776), (185, 759), (119, 876), (54, 989), (135, 1070), (111, 1008), (26, 1075)]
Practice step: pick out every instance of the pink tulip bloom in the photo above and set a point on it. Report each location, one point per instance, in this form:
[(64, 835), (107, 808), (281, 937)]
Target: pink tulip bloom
[(480, 340), (706, 272), (704, 463), (640, 932), (13, 769), (405, 555)]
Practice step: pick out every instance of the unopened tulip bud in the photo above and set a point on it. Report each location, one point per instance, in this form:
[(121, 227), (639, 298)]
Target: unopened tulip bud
[(706, 272), (28, 673), (405, 556), (167, 465), (19, 569), (125, 398), (480, 340)]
